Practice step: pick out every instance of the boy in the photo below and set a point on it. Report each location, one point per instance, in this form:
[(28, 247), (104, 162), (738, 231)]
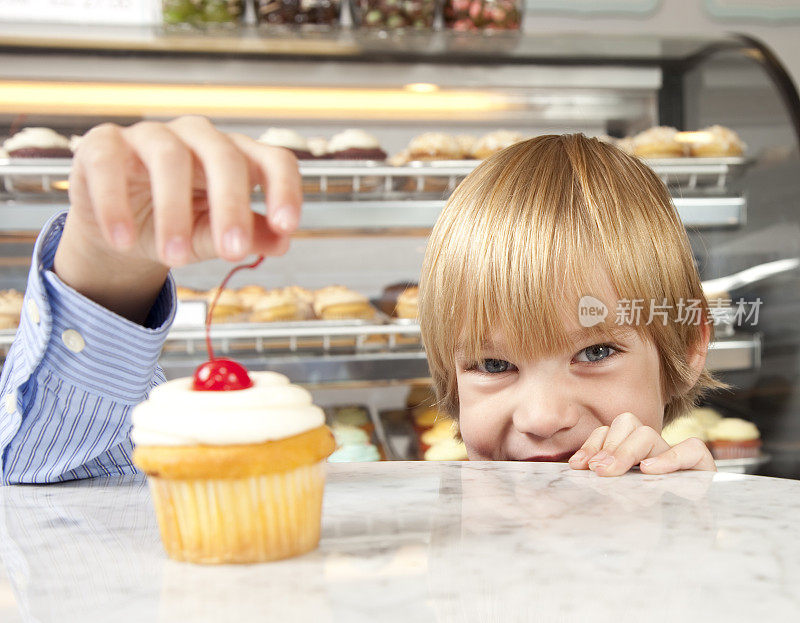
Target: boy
[(99, 301)]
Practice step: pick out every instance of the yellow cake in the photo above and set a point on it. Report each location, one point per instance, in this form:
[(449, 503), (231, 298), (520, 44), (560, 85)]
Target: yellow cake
[(236, 476)]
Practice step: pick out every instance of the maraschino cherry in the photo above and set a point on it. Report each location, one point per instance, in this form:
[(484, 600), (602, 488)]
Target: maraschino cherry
[(221, 375)]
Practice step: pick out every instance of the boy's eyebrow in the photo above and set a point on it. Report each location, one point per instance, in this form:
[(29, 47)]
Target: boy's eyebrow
[(599, 333)]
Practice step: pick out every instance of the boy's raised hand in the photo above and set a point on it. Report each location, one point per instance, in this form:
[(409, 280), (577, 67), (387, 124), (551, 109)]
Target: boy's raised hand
[(155, 195), (613, 450)]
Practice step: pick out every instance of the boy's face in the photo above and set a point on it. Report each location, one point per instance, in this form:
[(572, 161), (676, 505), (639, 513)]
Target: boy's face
[(543, 410)]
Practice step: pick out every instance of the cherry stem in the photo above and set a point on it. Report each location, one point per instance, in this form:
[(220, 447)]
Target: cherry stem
[(211, 307)]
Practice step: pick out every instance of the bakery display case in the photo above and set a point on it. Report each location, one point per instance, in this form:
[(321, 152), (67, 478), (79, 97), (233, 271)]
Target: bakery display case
[(365, 222)]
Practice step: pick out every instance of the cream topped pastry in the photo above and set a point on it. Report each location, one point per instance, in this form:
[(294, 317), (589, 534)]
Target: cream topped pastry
[(177, 415), (38, 143), (288, 139), (355, 144)]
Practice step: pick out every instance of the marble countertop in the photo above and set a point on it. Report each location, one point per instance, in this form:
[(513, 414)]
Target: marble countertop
[(422, 542)]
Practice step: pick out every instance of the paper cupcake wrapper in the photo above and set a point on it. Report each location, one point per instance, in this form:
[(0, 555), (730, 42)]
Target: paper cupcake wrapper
[(240, 520), (725, 452)]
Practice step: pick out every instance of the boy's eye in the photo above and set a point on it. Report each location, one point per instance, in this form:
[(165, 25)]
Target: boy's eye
[(495, 366), (595, 353)]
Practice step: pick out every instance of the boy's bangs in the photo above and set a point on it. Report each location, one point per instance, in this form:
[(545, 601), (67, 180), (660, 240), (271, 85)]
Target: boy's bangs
[(525, 295)]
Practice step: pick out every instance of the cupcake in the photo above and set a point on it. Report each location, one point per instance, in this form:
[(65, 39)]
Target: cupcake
[(706, 417), (448, 450), (274, 306), (424, 417), (288, 139), (658, 142), (355, 144), (304, 299), (682, 429), (38, 143), (408, 303), (732, 438), (490, 144), (236, 476), (442, 430), (355, 453), (318, 146), (352, 416), (716, 141), (347, 435), (466, 143), (339, 302)]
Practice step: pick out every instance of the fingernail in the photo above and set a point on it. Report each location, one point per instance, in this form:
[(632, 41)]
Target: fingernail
[(605, 460), (233, 242), (121, 235), (175, 251), (648, 462), (283, 219), (578, 456)]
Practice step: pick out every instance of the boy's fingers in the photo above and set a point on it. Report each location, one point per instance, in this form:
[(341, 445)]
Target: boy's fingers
[(279, 176), (580, 460), (169, 164), (689, 454), (622, 426), (227, 176), (641, 443), (100, 171)]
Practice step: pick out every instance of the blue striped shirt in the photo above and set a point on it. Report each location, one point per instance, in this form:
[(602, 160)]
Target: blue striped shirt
[(71, 376)]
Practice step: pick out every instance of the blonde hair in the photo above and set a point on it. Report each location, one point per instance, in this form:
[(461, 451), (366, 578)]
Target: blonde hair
[(532, 230)]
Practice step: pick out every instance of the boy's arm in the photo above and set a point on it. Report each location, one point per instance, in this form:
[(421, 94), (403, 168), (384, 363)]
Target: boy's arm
[(71, 377), (142, 198)]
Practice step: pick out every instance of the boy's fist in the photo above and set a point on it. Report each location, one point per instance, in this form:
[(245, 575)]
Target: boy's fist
[(613, 450)]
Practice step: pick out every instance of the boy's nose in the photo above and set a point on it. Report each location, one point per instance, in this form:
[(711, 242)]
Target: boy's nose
[(544, 408)]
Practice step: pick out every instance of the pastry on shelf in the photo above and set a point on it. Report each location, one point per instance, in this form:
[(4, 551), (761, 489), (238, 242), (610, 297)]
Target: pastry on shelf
[(288, 139), (448, 450), (352, 415), (489, 144), (10, 308), (355, 144), (318, 146), (682, 429), (388, 300), (250, 295), (339, 302), (659, 142), (716, 141), (408, 303), (734, 438), (275, 306), (229, 307), (435, 146), (184, 293), (38, 143)]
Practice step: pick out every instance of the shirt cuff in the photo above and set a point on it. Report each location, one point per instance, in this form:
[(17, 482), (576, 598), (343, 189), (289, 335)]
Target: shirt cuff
[(93, 347)]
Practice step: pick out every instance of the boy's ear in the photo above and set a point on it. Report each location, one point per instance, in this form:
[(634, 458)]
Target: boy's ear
[(696, 357)]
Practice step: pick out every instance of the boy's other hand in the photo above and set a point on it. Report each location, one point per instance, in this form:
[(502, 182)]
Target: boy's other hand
[(613, 450), (156, 195)]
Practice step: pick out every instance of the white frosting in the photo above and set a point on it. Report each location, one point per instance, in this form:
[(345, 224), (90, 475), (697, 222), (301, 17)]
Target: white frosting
[(352, 138), (176, 415), (318, 145), (44, 138), (283, 137), (3, 153)]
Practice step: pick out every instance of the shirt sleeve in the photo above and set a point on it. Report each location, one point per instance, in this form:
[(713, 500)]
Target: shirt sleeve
[(71, 377)]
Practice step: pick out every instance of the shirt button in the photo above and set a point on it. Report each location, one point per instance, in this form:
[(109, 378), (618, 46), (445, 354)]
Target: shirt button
[(73, 340), (33, 311), (10, 400)]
